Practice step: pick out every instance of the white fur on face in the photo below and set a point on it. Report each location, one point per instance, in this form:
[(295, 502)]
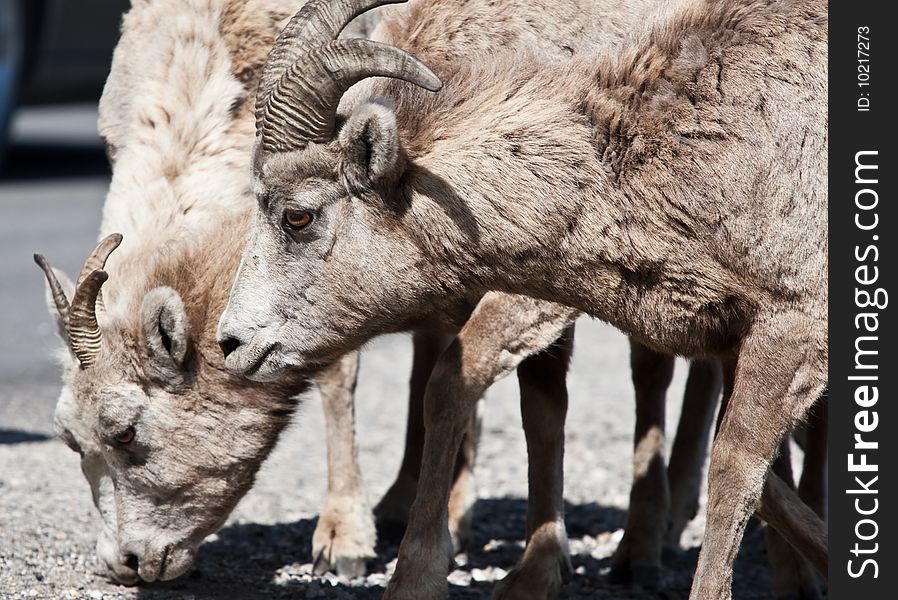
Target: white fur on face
[(175, 483)]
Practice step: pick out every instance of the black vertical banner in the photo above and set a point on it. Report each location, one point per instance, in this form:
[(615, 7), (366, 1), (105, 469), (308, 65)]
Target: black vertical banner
[(863, 370)]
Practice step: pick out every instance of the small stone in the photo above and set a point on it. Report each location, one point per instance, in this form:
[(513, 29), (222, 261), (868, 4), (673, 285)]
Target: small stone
[(459, 577), (488, 574)]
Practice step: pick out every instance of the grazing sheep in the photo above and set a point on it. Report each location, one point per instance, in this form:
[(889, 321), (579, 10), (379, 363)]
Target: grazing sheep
[(675, 189)]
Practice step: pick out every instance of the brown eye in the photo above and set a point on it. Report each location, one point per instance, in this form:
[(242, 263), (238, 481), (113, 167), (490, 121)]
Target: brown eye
[(297, 219), (125, 437)]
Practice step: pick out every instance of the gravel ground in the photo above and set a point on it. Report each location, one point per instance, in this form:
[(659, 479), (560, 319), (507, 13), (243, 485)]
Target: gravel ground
[(48, 523)]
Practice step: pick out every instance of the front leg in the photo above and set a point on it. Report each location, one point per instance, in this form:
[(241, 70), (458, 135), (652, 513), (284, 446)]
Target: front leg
[(344, 538), (501, 332), (392, 511)]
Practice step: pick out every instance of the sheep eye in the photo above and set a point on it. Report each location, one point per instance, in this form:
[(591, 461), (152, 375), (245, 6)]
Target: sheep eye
[(297, 219), (125, 437)]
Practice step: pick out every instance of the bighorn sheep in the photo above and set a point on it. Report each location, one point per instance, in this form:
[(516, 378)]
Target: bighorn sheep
[(142, 359), (655, 189)]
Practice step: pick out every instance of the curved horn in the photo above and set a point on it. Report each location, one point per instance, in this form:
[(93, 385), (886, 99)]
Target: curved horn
[(97, 260), (317, 23), (59, 298), (303, 105), (84, 332)]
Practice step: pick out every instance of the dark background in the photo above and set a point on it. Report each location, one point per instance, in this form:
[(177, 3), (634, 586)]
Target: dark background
[(850, 132)]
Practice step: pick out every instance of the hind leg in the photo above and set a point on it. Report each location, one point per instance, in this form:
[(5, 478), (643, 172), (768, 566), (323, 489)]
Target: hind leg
[(546, 562), (638, 557), (392, 510), (690, 447)]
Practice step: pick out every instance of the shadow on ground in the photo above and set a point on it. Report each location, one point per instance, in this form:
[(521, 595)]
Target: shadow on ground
[(16, 436), (242, 563)]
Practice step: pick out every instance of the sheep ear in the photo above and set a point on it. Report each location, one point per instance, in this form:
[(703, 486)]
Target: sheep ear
[(372, 151), (164, 322)]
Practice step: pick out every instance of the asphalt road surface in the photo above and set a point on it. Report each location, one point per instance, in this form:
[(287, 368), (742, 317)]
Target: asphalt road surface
[(51, 195)]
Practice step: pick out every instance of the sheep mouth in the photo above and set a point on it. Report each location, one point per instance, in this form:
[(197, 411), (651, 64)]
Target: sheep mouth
[(163, 564), (260, 360)]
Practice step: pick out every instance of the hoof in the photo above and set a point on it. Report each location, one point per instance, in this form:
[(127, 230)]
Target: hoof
[(348, 568), (344, 539), (521, 585), (417, 580)]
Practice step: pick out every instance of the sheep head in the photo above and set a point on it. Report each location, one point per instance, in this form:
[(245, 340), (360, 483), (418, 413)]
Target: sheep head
[(304, 281), (169, 442)]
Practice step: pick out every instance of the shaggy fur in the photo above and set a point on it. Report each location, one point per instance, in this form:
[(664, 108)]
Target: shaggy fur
[(675, 189)]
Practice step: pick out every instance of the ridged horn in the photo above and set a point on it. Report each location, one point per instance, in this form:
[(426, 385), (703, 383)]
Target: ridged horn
[(303, 104), (59, 298), (84, 331), (79, 318), (97, 260), (317, 23)]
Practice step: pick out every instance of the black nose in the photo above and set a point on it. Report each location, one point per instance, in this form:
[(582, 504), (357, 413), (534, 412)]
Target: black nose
[(228, 345), (131, 561)]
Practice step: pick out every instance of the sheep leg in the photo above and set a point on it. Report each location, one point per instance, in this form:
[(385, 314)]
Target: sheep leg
[(501, 332), (546, 562), (690, 447), (793, 577), (393, 508), (638, 557), (345, 536), (392, 511), (782, 510), (780, 507), (775, 383), (795, 521)]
